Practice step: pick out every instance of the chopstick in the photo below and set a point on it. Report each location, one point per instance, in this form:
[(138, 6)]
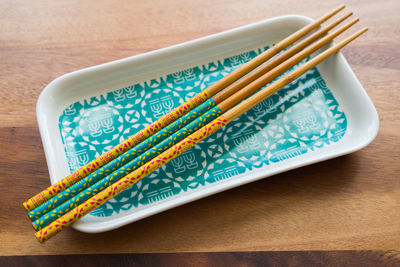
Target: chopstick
[(165, 120), (232, 99), (187, 143), (272, 63), (254, 100), (264, 79)]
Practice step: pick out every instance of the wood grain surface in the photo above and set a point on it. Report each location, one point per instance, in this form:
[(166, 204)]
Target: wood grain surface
[(220, 259), (352, 202)]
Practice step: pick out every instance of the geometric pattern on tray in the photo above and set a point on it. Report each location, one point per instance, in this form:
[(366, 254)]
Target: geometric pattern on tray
[(301, 117)]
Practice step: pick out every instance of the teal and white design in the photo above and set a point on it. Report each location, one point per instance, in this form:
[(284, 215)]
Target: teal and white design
[(125, 163), (301, 117), (122, 166)]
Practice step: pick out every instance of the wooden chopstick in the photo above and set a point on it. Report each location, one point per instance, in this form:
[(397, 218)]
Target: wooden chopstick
[(272, 63), (263, 57), (269, 76), (187, 143), (59, 208), (165, 120), (274, 87)]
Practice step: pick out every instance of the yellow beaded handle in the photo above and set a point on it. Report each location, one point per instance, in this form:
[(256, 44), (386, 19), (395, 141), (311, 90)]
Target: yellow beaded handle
[(116, 151), (129, 180)]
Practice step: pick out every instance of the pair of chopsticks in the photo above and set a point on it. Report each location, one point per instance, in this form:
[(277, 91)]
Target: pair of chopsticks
[(134, 158), (153, 128), (217, 109), (40, 213)]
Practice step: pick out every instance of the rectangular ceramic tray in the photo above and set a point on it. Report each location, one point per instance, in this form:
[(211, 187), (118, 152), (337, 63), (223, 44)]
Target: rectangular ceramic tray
[(324, 114)]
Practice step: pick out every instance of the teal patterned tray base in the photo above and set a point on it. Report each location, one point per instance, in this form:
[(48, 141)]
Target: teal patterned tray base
[(300, 118)]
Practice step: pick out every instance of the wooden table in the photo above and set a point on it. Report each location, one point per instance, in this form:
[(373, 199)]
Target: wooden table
[(348, 203)]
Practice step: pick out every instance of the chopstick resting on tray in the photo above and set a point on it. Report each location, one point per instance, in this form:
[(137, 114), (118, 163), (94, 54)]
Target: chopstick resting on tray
[(167, 119), (229, 109), (89, 186)]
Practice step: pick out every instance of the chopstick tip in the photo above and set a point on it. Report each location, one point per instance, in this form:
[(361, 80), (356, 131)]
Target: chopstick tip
[(351, 23), (354, 36), (348, 15)]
